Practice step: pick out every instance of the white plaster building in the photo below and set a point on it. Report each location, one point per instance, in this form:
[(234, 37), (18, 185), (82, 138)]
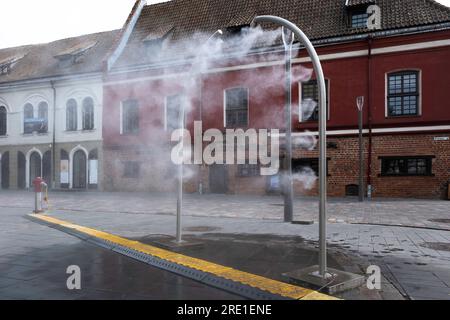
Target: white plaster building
[(51, 101)]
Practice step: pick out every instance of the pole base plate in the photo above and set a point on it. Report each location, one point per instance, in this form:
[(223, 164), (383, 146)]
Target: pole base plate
[(334, 282), (172, 243)]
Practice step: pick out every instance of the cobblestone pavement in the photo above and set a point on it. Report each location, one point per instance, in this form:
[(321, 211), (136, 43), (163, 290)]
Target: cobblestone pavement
[(415, 260), (34, 259), (396, 212)]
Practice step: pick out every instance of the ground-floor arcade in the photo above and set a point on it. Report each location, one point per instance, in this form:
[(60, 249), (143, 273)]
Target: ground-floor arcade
[(76, 165)]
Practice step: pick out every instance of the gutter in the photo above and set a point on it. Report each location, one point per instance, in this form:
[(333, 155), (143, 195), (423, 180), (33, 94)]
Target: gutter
[(369, 110), (54, 137)]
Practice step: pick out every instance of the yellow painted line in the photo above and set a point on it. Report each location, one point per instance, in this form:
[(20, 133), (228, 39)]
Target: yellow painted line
[(252, 280)]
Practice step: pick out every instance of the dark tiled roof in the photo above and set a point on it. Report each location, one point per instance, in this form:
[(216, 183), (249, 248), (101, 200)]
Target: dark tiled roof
[(41, 61), (193, 19)]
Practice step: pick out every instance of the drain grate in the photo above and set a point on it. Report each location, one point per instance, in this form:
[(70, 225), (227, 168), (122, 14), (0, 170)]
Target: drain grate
[(439, 246), (440, 220), (201, 229)]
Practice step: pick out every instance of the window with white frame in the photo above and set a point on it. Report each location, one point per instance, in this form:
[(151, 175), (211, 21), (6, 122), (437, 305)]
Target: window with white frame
[(88, 114), (403, 93), (173, 112), (359, 19), (43, 117), (71, 115), (310, 100), (28, 118), (236, 107), (130, 117)]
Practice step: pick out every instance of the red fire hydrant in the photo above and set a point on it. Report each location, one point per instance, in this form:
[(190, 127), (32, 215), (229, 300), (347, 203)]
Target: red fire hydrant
[(39, 184)]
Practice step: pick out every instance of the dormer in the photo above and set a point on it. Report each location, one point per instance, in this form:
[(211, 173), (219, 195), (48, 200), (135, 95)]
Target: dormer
[(357, 14), (6, 65), (74, 54), (154, 41)]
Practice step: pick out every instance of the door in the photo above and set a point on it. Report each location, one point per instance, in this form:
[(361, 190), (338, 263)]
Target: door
[(21, 167), (218, 182), (35, 167), (79, 170), (5, 170)]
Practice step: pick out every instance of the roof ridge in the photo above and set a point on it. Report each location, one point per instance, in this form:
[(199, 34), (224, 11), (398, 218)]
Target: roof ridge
[(440, 5), (35, 45)]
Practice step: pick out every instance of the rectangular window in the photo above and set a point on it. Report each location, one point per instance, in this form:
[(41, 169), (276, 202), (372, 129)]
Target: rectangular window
[(236, 107), (403, 94), (359, 19), (174, 106), (249, 170), (310, 100), (300, 165), (130, 117), (407, 166), (131, 169)]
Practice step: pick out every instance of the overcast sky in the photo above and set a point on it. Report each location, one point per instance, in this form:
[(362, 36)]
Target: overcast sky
[(38, 21)]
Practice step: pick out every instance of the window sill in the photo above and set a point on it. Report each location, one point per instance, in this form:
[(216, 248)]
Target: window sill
[(129, 134), (406, 175), (79, 131), (404, 116), (35, 134), (4, 137)]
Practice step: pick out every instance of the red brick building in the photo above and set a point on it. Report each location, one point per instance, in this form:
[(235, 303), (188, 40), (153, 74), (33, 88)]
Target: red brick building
[(402, 70)]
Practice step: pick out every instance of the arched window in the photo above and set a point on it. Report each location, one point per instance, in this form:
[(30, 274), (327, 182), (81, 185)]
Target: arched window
[(28, 118), (88, 114), (71, 115), (3, 122), (43, 117)]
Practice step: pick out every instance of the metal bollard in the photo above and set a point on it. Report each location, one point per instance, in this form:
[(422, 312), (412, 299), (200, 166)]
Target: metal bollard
[(39, 184)]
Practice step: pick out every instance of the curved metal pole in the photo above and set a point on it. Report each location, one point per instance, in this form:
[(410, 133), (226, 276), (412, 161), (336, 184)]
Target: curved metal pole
[(322, 133), (288, 40)]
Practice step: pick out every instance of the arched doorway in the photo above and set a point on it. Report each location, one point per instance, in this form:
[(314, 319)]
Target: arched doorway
[(35, 167), (21, 169), (4, 170), (79, 170)]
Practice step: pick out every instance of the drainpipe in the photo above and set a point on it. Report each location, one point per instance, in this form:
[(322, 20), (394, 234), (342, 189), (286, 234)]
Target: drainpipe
[(54, 137), (369, 109)]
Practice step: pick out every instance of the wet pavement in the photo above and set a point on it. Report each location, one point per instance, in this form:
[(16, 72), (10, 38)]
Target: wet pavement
[(269, 256), (416, 261), (434, 214), (417, 271), (34, 260)]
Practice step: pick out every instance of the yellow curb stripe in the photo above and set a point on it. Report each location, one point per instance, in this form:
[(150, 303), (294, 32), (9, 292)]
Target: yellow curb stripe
[(252, 280)]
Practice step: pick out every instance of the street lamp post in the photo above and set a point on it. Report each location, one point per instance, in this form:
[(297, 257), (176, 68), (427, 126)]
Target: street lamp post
[(360, 104), (288, 40), (180, 177)]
